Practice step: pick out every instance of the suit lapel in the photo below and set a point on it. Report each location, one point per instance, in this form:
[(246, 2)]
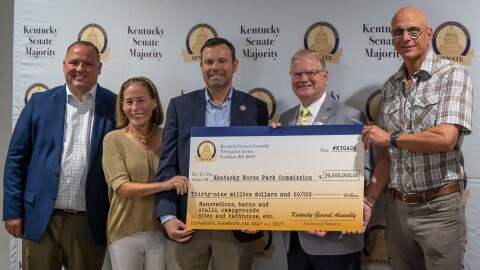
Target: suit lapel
[(98, 123), (294, 117), (324, 112), (58, 117), (237, 109), (197, 109)]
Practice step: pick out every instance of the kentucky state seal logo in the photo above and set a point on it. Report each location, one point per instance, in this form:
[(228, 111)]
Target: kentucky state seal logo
[(265, 95), (265, 247), (373, 106), (206, 151), (95, 34), (197, 36), (451, 41), (323, 38), (34, 88), (376, 252)]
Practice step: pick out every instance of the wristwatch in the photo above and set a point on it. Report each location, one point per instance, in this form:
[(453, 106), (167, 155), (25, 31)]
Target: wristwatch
[(393, 138)]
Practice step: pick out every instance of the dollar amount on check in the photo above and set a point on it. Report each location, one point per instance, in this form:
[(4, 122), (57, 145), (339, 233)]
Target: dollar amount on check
[(290, 178)]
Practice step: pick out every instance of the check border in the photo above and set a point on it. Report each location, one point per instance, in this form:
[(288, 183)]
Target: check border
[(221, 185)]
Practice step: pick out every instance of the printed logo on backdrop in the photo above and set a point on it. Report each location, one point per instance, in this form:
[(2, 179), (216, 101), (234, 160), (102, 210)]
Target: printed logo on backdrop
[(98, 36), (265, 249), (334, 95), (145, 42), (323, 38), (265, 95), (197, 36), (451, 40), (373, 106), (39, 41), (259, 41), (379, 42), (206, 151), (375, 251), (34, 88)]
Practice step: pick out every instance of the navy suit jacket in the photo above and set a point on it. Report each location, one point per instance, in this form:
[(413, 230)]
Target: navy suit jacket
[(188, 111), (32, 167)]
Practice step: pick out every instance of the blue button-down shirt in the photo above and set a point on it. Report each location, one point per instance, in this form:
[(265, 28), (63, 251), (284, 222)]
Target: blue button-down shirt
[(217, 116)]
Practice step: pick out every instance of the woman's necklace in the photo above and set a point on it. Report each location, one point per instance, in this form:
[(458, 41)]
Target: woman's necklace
[(139, 136)]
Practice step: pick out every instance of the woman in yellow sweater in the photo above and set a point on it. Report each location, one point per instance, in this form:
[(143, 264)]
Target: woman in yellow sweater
[(130, 160)]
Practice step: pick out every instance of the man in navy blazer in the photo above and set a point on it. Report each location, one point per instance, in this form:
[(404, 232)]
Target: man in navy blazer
[(55, 194), (216, 105), (315, 249)]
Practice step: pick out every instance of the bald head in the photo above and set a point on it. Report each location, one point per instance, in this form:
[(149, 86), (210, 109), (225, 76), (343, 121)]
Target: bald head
[(411, 36), (408, 14)]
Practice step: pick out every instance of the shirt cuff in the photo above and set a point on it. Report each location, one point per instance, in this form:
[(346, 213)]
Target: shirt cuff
[(166, 218)]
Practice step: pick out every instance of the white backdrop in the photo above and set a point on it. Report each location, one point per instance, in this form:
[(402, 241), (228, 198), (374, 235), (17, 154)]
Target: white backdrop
[(150, 37)]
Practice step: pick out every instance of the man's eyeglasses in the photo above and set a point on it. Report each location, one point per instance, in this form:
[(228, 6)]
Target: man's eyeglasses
[(308, 73), (413, 31)]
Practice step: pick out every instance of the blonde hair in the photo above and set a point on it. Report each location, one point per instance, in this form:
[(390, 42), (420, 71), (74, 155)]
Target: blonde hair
[(304, 52)]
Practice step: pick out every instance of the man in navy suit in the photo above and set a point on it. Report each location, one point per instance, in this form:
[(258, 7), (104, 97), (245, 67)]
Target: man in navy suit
[(315, 249), (216, 105), (55, 194)]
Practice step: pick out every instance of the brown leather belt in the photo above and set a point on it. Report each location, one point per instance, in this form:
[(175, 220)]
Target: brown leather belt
[(425, 196)]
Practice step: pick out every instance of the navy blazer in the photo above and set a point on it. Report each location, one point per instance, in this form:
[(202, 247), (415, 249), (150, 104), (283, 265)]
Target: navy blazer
[(32, 167), (188, 111)]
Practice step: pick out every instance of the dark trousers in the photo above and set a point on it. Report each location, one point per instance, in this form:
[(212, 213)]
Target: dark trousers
[(299, 260)]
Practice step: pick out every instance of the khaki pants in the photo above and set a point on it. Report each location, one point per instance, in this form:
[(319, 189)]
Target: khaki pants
[(430, 235), (66, 242), (222, 247)]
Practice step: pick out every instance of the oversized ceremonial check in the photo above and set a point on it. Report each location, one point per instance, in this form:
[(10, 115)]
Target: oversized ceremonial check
[(289, 178)]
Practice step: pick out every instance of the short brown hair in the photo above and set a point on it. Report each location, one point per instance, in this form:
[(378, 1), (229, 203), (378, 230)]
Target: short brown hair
[(217, 41)]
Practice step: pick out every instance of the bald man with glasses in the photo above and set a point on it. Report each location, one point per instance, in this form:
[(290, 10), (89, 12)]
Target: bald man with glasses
[(426, 112)]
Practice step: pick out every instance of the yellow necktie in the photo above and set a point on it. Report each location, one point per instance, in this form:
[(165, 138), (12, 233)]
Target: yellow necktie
[(304, 119)]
